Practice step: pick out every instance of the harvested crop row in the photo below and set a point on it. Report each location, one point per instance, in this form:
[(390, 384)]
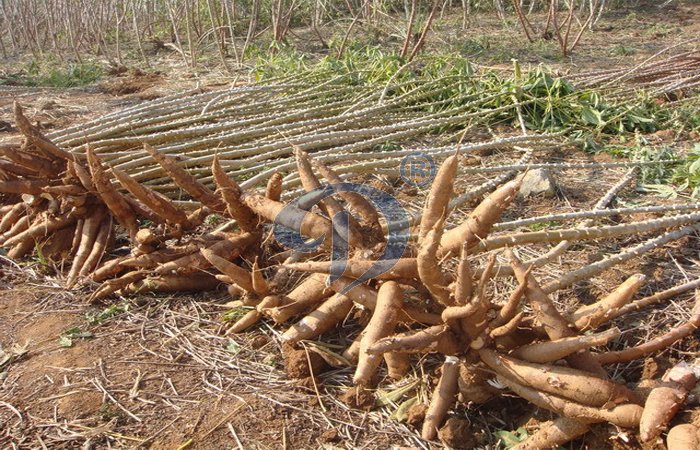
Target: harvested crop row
[(322, 264)]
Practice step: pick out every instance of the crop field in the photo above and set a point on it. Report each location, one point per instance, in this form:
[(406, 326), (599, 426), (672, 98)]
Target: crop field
[(325, 224)]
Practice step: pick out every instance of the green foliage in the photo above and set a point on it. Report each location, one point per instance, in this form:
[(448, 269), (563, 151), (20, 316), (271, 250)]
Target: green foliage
[(96, 318), (40, 257), (109, 411), (687, 175), (622, 50), (232, 315), (541, 226), (51, 74), (233, 347), (668, 180), (67, 337), (509, 439), (549, 103), (214, 219)]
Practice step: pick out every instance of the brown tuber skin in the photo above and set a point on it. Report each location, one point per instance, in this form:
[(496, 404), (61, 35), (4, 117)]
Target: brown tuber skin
[(238, 275), (307, 295), (254, 315), (231, 192), (273, 190), (367, 297), (444, 397), (550, 351), (186, 181), (565, 382), (404, 268), (665, 400), (88, 235), (438, 199), (421, 340), (11, 216), (41, 229), (229, 248), (309, 224), (626, 415), (366, 213), (683, 437), (114, 200), (397, 364), (382, 323), (659, 343), (155, 201), (481, 220), (473, 384), (590, 317), (555, 325), (452, 315), (551, 434), (326, 316), (429, 269)]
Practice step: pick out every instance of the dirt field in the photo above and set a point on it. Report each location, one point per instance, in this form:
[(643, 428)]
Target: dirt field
[(155, 372)]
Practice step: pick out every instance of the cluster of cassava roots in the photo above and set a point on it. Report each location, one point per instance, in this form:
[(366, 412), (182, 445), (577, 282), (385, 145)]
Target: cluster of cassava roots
[(431, 300)]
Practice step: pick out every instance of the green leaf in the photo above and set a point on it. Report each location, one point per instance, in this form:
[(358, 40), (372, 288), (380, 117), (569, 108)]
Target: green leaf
[(385, 398), (65, 341), (590, 116), (511, 438), (401, 413), (233, 347), (694, 167)]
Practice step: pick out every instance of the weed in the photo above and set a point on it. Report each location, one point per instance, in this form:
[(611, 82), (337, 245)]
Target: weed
[(622, 50), (687, 175), (96, 318), (660, 30), (49, 74), (509, 439), (541, 226), (67, 337), (40, 258), (214, 219), (233, 347), (477, 45), (109, 411), (232, 315)]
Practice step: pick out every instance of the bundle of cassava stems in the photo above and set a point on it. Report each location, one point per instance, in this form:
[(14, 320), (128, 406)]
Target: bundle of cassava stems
[(71, 203)]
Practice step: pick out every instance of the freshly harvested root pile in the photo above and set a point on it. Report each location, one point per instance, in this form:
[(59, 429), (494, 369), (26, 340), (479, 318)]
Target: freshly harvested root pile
[(441, 294)]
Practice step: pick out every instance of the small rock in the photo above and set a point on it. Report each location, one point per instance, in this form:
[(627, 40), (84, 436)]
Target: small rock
[(538, 182), (330, 435), (296, 362), (358, 397), (416, 415), (457, 434)]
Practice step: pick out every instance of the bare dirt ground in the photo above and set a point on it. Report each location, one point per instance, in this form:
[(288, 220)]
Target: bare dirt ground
[(158, 373)]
